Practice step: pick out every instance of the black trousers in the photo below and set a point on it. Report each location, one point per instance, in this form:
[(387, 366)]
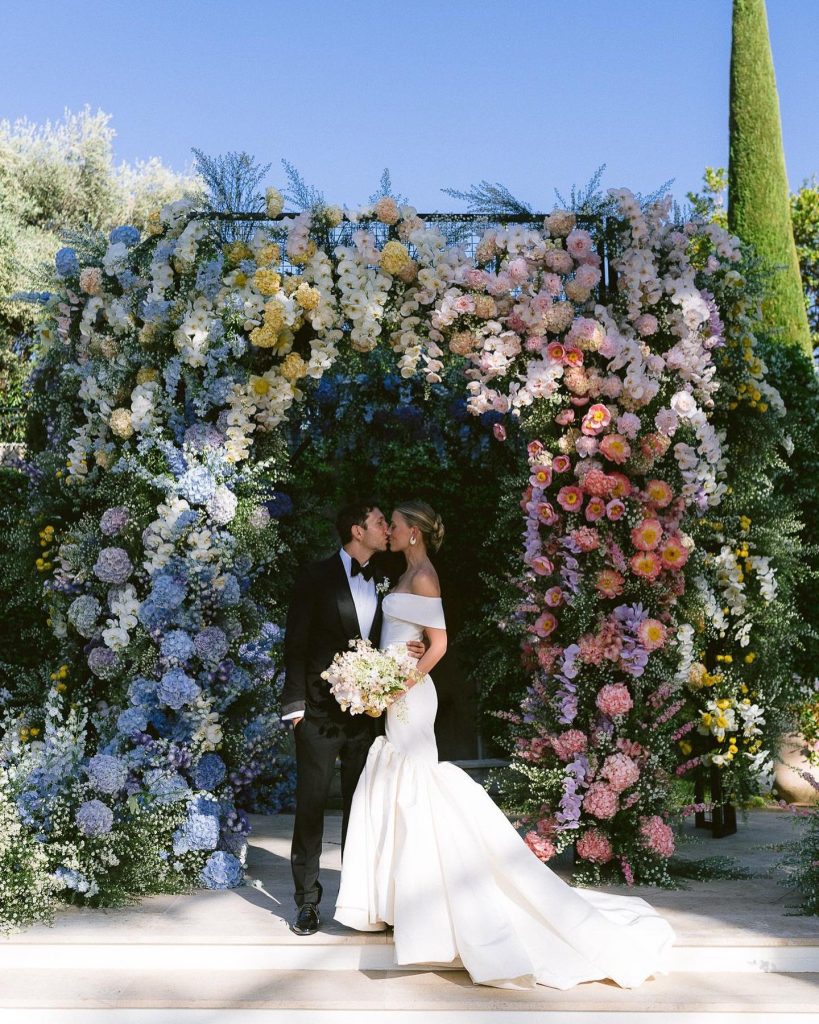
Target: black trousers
[(318, 743)]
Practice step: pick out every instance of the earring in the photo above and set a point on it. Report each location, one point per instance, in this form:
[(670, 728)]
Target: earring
[(412, 539)]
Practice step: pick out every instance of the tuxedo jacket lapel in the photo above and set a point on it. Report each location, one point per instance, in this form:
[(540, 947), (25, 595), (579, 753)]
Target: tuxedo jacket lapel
[(344, 600), (375, 629)]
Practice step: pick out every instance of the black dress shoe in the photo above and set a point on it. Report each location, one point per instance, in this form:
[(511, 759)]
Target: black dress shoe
[(307, 920)]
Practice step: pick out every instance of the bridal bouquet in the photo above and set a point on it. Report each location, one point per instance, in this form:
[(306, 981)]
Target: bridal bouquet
[(366, 680)]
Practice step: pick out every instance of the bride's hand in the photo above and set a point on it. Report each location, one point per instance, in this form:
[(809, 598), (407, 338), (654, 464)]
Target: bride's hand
[(416, 648)]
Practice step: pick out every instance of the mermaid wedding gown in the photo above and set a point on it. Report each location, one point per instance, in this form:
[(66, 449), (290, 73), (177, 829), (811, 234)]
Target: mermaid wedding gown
[(430, 853)]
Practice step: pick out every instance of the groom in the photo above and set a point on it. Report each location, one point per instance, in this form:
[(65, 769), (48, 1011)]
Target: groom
[(333, 601)]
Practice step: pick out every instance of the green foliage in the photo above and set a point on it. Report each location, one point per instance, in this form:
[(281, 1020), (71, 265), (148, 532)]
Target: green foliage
[(55, 178), (759, 204), (805, 216)]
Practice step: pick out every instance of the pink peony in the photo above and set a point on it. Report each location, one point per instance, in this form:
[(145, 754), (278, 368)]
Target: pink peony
[(565, 417), (613, 699), (657, 836), (646, 325), (609, 583), (615, 448), (615, 509), (553, 597), (594, 846), (601, 801), (652, 634), (561, 463), (620, 772), (629, 425), (545, 625), (659, 493), (596, 419), (586, 446), (595, 509), (570, 498), (545, 513), (540, 847), (646, 564), (533, 449), (647, 535), (622, 485), (542, 565), (570, 743), (579, 243), (541, 475)]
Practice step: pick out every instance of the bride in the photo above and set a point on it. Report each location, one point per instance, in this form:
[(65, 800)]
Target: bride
[(430, 853)]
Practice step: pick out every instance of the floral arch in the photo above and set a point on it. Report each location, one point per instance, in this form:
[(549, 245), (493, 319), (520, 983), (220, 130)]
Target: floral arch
[(608, 352)]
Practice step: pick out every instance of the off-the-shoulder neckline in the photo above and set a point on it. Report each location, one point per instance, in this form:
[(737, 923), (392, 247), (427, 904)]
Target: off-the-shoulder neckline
[(407, 593)]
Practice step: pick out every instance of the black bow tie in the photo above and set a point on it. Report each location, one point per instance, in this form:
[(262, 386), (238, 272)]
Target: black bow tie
[(366, 571)]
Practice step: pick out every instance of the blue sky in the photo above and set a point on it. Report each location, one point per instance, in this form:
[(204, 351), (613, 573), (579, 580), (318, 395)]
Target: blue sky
[(534, 93)]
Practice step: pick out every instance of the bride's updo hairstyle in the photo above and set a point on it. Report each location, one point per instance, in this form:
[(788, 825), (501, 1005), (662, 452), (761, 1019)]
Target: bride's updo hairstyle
[(426, 520)]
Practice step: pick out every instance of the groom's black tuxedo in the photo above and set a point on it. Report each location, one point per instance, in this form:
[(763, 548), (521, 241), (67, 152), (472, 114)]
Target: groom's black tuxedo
[(321, 621)]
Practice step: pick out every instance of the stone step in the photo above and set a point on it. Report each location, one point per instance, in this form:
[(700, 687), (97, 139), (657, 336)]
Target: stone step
[(65, 996), (330, 953)]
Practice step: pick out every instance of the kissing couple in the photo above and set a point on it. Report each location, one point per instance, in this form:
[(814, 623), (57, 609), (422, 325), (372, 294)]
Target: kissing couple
[(424, 847)]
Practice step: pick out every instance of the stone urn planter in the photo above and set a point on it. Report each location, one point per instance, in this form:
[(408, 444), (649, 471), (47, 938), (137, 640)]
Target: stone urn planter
[(790, 785)]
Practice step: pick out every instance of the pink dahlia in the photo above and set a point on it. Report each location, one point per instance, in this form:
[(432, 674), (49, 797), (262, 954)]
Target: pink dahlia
[(613, 699), (594, 846), (601, 801)]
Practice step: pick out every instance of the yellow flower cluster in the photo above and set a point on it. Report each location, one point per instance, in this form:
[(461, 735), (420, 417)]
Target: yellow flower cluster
[(269, 254), (274, 202), (300, 258), (153, 224), (58, 677), (120, 423), (146, 374), (267, 281), (699, 676), (307, 296), (235, 252), (43, 564), (293, 367), (394, 258)]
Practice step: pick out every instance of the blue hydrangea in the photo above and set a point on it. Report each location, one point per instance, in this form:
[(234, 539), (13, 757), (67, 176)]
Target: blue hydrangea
[(113, 565), (231, 592), (114, 520), (68, 878), (176, 688), (155, 310), (209, 278), (222, 871), (175, 459), (127, 280), (67, 263), (83, 613), (222, 506), (126, 233), (132, 720), (177, 644), (187, 518), (166, 787), (200, 832), (167, 592), (204, 435), (142, 690), (106, 773), (205, 805), (94, 818), (211, 644), (197, 485), (104, 663), (209, 772), (152, 616)]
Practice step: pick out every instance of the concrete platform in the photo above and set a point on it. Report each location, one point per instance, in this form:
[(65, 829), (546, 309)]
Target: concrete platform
[(741, 950)]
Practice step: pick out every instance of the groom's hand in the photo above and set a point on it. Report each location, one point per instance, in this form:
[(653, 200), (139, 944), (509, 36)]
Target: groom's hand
[(416, 649), (296, 721)]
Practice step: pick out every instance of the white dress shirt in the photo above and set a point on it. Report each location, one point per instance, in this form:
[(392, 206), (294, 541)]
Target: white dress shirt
[(365, 600)]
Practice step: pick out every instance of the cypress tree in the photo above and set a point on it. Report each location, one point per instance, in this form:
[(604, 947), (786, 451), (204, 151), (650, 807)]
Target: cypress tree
[(758, 194)]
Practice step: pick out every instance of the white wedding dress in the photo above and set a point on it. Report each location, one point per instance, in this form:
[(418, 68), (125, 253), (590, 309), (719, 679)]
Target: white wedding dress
[(430, 853)]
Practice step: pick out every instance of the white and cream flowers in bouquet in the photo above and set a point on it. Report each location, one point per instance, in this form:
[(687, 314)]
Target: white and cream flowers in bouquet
[(365, 680)]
